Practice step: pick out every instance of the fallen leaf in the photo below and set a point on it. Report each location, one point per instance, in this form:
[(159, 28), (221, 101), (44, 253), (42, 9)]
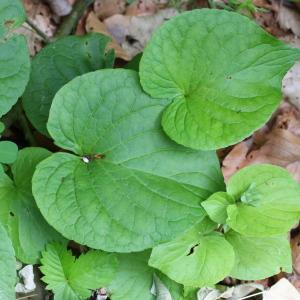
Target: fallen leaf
[(142, 8), (282, 290), (107, 8), (134, 32), (93, 24), (289, 19)]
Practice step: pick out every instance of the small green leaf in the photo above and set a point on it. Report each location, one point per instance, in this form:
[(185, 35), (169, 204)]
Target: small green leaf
[(75, 279), (267, 201), (194, 259), (27, 228), (222, 72), (216, 205), (14, 71), (2, 127), (259, 258), (134, 64), (131, 187), (8, 275), (133, 278), (8, 152), (12, 15), (58, 63)]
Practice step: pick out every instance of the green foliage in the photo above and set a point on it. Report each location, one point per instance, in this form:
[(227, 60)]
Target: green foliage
[(133, 278), (197, 258), (14, 58), (60, 62), (27, 228), (259, 258), (8, 275), (208, 79), (75, 279), (222, 72), (267, 201), (129, 187), (8, 152)]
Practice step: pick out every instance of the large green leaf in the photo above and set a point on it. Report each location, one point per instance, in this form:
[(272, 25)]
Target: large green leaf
[(222, 72), (58, 63), (267, 201), (18, 211), (14, 71), (131, 187), (12, 15), (133, 278), (259, 258), (75, 279), (194, 259), (8, 275)]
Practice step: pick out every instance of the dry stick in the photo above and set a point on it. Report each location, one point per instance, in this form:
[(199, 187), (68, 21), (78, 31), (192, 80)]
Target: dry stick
[(250, 296), (26, 297), (38, 31), (71, 20)]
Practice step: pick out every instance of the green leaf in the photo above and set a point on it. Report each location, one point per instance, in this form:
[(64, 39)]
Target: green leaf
[(222, 72), (14, 71), (259, 258), (267, 201), (216, 205), (133, 278), (2, 127), (18, 211), (8, 152), (75, 279), (132, 188), (8, 275), (134, 64), (60, 62), (194, 259), (12, 15)]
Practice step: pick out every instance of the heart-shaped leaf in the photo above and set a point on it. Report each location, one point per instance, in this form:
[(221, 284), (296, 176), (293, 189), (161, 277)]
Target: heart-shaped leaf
[(58, 63), (75, 279), (259, 258), (27, 228), (8, 275), (130, 188), (222, 72), (194, 259)]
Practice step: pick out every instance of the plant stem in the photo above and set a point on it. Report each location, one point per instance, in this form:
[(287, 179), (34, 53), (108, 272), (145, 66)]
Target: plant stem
[(250, 296), (38, 31), (23, 122), (71, 20)]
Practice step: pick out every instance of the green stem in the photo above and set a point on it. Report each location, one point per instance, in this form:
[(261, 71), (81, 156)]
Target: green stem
[(72, 19), (24, 124), (38, 31)]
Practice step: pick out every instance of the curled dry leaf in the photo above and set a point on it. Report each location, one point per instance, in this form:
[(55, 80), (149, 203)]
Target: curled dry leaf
[(60, 7), (133, 32), (93, 24), (107, 8), (289, 19), (277, 143), (142, 8), (282, 290), (40, 15)]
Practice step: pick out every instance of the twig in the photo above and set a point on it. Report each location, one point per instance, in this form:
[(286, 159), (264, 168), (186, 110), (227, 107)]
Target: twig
[(250, 296), (71, 20), (24, 124), (38, 31)]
